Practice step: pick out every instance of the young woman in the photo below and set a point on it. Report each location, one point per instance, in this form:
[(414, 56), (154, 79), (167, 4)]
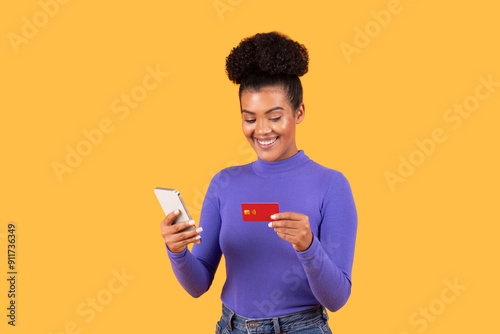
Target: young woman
[(281, 274)]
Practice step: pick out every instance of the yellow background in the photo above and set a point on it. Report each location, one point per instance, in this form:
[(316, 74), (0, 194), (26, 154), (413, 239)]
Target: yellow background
[(440, 224)]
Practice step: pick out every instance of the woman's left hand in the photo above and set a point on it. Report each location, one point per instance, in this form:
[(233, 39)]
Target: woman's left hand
[(294, 228)]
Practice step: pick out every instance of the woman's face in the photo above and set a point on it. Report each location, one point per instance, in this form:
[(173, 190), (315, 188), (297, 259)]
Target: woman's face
[(268, 123)]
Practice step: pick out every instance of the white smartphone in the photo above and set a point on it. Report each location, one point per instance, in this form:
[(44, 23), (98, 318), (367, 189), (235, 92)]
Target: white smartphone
[(170, 199)]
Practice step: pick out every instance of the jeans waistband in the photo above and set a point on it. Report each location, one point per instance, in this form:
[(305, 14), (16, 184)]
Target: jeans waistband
[(281, 323)]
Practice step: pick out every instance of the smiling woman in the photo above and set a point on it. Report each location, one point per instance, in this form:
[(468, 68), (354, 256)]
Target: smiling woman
[(268, 123), (283, 274), (267, 67)]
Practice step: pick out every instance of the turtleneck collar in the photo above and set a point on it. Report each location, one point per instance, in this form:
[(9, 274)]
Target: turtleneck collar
[(295, 162)]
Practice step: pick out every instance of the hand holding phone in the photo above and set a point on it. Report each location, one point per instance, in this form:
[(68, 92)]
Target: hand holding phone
[(170, 200), (177, 228)]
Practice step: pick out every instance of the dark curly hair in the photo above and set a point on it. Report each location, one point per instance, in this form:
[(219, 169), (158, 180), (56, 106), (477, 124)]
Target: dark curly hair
[(269, 59)]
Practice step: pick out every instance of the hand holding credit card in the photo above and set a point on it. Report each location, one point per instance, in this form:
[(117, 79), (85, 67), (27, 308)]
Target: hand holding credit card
[(258, 212)]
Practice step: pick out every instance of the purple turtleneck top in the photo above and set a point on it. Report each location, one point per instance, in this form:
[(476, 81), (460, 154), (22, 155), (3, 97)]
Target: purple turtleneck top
[(265, 275)]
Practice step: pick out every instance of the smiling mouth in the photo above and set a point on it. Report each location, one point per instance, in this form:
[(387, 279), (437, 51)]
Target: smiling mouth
[(267, 141)]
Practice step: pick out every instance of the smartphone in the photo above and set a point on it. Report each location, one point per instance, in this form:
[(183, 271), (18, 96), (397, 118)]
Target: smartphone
[(258, 212), (170, 199)]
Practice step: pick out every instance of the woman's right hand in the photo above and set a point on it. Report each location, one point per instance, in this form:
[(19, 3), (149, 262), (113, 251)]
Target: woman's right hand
[(177, 241)]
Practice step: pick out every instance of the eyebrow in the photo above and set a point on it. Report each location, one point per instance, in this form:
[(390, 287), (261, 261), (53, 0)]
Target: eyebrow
[(267, 112)]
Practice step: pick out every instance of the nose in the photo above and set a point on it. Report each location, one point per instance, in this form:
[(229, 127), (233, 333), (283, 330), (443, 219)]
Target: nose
[(262, 127)]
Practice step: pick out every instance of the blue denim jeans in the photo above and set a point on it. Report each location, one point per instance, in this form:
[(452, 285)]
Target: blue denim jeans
[(314, 321)]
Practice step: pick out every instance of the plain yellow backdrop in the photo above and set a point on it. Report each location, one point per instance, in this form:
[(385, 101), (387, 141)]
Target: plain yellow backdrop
[(146, 82)]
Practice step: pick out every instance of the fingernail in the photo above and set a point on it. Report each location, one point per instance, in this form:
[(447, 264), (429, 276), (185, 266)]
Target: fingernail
[(270, 224), (199, 229), (197, 237), (176, 211), (273, 216), (191, 222)]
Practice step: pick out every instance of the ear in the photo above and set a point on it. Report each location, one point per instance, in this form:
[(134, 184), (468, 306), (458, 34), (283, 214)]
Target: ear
[(300, 113)]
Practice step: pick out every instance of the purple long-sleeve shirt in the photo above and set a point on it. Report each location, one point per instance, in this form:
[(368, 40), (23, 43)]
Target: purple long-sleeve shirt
[(266, 276)]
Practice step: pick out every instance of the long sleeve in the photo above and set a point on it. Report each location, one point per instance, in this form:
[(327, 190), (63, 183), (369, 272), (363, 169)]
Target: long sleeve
[(195, 270), (328, 261), (265, 276)]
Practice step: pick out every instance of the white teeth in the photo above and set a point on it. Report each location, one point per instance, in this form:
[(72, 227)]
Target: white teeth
[(267, 142)]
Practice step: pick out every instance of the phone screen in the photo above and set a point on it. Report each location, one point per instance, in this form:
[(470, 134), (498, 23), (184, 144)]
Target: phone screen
[(170, 200)]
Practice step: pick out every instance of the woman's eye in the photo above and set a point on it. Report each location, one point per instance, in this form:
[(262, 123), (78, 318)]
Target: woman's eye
[(272, 119)]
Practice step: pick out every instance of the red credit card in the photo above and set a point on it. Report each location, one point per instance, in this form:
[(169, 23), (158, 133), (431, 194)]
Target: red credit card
[(258, 212)]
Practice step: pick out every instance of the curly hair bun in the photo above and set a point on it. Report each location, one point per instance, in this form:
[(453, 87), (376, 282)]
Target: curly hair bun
[(272, 53)]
